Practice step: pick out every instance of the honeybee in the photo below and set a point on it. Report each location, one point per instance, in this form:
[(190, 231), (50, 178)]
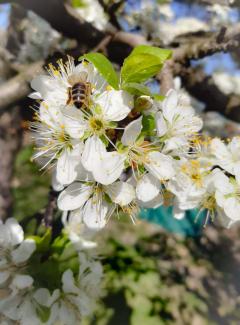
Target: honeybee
[(80, 92)]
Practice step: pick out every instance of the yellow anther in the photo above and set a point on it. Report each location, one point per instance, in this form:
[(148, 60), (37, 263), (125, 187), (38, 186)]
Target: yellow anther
[(108, 88)]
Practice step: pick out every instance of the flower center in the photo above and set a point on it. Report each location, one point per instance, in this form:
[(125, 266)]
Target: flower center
[(209, 203), (192, 170), (62, 137), (96, 125)]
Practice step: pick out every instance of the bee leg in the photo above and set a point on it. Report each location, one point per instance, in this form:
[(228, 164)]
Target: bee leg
[(69, 100), (89, 92)]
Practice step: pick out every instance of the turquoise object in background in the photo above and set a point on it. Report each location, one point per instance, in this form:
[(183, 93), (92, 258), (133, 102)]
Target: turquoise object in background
[(188, 227)]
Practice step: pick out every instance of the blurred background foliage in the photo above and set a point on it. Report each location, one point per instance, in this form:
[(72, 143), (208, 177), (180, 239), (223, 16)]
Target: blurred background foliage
[(152, 276), (30, 187)]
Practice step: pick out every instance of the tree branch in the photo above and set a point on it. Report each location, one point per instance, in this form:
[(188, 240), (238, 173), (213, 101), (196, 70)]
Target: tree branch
[(50, 208), (10, 128), (59, 15), (17, 87), (222, 41), (205, 90), (166, 77)]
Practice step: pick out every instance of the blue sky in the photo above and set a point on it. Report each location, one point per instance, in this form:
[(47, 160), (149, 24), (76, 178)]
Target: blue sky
[(4, 11)]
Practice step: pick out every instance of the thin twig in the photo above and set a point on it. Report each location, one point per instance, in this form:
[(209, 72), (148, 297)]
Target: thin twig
[(50, 208)]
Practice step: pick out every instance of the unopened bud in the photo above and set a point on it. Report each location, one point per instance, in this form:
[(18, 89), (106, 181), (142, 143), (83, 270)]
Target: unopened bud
[(143, 103)]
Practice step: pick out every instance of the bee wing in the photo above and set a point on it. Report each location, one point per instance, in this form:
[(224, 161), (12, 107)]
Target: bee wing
[(83, 76), (80, 77), (73, 79)]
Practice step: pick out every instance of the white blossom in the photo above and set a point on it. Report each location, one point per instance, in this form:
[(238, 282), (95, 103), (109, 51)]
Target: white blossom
[(228, 198), (93, 12), (90, 198), (105, 166), (55, 145), (190, 185), (176, 122), (227, 156), (168, 31), (228, 84), (24, 303), (14, 250), (78, 294), (140, 153), (79, 234)]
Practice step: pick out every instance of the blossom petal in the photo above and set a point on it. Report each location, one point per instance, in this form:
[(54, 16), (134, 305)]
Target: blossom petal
[(21, 281), (148, 188), (219, 149), (24, 251), (95, 213), (56, 185), (176, 142), (160, 165), (169, 105), (115, 104), (15, 231), (67, 165), (79, 234), (178, 213), (109, 168), (223, 184), (152, 204), (68, 285), (74, 196), (231, 207), (42, 296), (74, 123), (51, 89), (93, 149), (42, 84), (121, 193), (161, 124), (131, 132), (51, 115)]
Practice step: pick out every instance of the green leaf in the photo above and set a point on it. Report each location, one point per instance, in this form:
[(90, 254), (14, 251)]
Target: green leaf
[(137, 89), (143, 63), (162, 54), (68, 252), (158, 97), (43, 242), (31, 187), (148, 123), (72, 263), (59, 243), (104, 67), (139, 68), (46, 274), (43, 313), (78, 3)]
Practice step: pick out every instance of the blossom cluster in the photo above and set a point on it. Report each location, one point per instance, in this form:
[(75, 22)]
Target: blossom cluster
[(119, 151), (23, 298)]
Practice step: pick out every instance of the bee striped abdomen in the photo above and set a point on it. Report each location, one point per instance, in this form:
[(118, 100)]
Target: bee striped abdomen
[(79, 94)]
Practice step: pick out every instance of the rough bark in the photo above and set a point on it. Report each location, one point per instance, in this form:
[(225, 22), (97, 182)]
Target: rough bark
[(57, 14), (17, 87), (204, 89), (10, 131)]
